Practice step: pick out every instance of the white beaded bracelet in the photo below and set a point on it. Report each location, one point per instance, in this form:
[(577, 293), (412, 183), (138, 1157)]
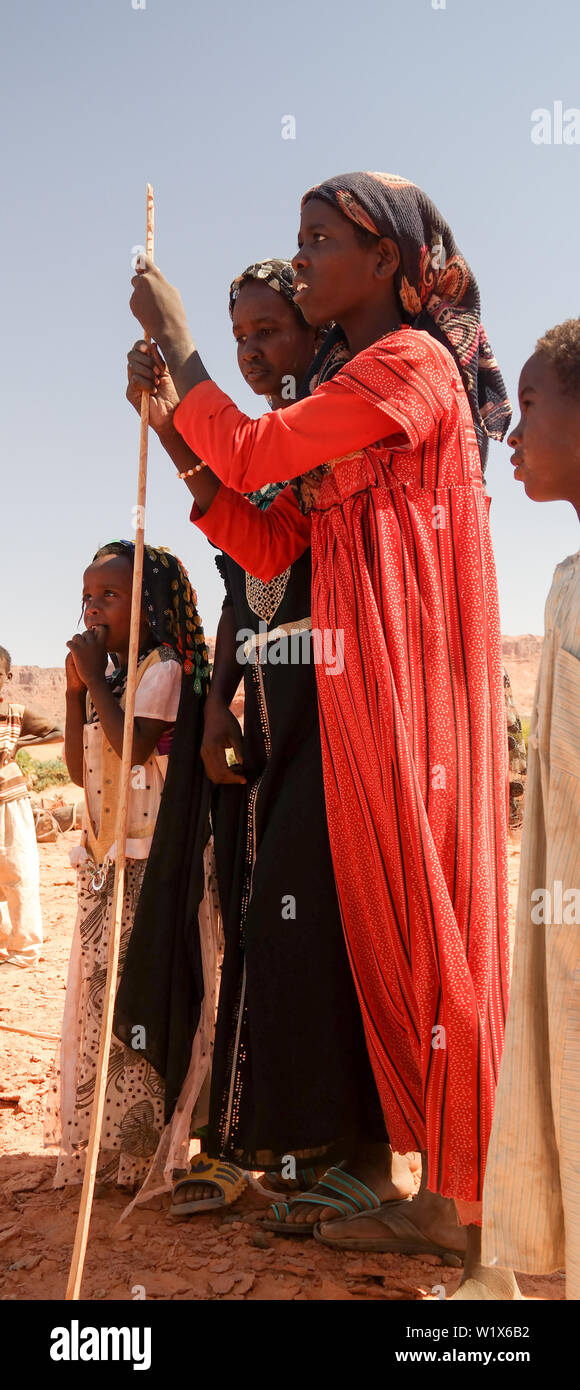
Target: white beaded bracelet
[(190, 471)]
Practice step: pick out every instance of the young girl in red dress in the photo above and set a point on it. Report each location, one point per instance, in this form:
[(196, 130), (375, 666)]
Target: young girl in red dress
[(388, 458)]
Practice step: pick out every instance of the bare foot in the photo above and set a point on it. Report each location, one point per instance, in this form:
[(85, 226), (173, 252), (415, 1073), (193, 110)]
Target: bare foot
[(385, 1173), (428, 1218), (195, 1192), (204, 1189)]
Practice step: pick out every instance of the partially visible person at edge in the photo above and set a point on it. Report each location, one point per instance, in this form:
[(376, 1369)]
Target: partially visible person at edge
[(20, 915), (301, 1077), (388, 457), (532, 1209), (162, 1005), (517, 755)]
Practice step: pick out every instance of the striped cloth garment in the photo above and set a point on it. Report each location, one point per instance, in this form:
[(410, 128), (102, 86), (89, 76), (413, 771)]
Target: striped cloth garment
[(532, 1187), (12, 784)]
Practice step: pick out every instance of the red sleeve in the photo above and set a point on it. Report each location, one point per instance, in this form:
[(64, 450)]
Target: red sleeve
[(245, 454), (396, 391), (412, 377), (263, 543)]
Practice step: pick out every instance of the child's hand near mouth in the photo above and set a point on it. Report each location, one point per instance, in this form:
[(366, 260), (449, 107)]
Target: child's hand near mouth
[(89, 654), (74, 683)]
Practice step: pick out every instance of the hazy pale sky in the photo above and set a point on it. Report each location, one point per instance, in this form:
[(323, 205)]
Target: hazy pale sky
[(97, 99)]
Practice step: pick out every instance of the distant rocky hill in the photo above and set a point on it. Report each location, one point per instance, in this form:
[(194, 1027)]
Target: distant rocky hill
[(525, 648), (43, 686), (40, 686), (522, 658)]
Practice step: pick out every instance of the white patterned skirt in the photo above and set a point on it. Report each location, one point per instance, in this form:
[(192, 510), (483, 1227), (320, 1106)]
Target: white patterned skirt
[(134, 1101)]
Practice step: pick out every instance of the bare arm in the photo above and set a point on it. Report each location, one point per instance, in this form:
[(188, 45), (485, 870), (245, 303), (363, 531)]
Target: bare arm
[(73, 733), (227, 671), (38, 728), (221, 728)]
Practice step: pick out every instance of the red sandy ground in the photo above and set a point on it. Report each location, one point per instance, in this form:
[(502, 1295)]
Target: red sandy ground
[(221, 1256)]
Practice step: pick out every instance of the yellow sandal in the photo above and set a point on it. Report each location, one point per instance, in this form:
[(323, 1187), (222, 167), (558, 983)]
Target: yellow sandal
[(230, 1180)]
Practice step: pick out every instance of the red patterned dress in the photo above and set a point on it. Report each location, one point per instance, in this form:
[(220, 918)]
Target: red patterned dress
[(413, 725)]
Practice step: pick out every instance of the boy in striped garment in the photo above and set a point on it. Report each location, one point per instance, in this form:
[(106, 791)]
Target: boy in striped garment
[(20, 919)]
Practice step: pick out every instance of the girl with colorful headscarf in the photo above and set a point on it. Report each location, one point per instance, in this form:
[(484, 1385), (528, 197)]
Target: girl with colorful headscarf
[(388, 460), (165, 994)]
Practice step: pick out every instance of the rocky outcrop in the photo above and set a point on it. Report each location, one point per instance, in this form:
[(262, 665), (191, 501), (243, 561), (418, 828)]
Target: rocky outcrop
[(525, 648), (522, 659), (44, 686)]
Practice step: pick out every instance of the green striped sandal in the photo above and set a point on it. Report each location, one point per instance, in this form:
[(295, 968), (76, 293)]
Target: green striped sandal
[(230, 1181), (348, 1195), (273, 1184)]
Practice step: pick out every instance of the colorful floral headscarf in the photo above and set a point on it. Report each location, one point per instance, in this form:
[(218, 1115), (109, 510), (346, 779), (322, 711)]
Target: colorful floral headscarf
[(171, 607), (437, 289)]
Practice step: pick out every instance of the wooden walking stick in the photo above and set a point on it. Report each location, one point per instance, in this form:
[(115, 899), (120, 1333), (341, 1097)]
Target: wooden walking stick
[(92, 1156)]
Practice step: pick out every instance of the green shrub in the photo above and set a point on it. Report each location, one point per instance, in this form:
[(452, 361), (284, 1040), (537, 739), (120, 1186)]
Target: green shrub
[(525, 723), (43, 775)]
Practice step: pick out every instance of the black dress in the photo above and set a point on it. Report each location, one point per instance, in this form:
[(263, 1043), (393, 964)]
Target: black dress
[(291, 1073)]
